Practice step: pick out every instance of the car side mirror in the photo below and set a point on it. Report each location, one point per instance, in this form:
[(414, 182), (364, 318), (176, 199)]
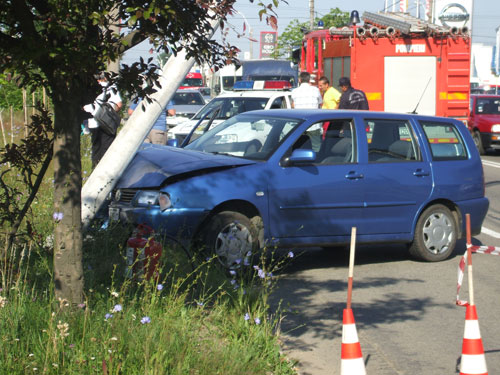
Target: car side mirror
[(299, 157)]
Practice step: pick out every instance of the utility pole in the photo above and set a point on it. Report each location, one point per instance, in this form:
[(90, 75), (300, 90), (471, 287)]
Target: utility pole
[(311, 14), (105, 175), (429, 8), (250, 33)]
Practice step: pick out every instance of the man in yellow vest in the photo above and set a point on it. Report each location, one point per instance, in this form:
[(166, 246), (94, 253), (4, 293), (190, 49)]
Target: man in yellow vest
[(331, 96)]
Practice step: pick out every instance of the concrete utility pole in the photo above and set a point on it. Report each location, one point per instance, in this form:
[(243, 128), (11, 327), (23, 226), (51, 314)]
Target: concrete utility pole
[(104, 177), (250, 33), (311, 14)]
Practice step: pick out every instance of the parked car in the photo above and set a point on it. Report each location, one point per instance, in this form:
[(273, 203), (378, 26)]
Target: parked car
[(206, 93), (245, 97), (186, 103), (484, 121), (293, 178)]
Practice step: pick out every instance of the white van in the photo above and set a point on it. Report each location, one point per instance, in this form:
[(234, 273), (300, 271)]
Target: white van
[(222, 81)]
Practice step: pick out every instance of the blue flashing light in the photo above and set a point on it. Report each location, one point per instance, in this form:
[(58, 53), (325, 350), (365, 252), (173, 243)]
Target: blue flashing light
[(243, 85)]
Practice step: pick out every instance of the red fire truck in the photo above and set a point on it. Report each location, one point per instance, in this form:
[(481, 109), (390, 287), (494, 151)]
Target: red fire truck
[(402, 63)]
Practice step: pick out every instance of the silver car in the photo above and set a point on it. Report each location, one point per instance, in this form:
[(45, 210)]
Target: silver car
[(186, 103)]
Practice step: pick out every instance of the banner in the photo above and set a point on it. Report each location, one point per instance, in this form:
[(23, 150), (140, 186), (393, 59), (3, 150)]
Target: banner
[(268, 42)]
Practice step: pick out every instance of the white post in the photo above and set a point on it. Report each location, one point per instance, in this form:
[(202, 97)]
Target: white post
[(104, 177)]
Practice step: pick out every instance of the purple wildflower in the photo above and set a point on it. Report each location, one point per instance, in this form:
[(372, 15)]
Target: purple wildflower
[(257, 321), (57, 216), (146, 320), (247, 316)]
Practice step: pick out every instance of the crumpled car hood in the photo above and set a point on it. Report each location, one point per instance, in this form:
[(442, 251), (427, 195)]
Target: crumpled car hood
[(153, 164)]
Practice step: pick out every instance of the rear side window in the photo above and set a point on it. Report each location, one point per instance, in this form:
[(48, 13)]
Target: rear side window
[(391, 141), (444, 140)]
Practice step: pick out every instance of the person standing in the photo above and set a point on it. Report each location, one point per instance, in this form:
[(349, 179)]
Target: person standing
[(100, 139), (306, 95), (331, 96), (158, 133), (351, 98)]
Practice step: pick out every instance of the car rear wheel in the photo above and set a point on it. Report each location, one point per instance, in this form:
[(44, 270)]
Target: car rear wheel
[(232, 237), (435, 234), (479, 143)]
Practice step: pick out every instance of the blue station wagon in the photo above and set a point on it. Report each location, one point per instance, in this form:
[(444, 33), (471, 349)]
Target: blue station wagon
[(300, 178)]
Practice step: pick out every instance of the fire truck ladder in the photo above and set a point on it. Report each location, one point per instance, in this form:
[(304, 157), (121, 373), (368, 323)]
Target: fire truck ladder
[(402, 23)]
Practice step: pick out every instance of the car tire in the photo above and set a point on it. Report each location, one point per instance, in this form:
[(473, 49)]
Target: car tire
[(435, 234), (476, 135), (232, 237)]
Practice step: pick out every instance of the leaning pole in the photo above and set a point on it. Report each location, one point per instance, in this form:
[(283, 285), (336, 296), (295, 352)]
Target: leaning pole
[(105, 175)]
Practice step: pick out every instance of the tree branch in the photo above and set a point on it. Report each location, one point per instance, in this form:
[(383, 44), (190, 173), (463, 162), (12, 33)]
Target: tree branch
[(27, 204), (130, 40)]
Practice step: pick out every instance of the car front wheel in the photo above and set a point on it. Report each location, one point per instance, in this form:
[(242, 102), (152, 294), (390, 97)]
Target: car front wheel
[(232, 237), (479, 143), (435, 234)]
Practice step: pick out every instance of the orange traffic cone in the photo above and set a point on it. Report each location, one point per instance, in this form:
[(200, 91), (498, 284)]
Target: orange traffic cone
[(473, 361), (351, 362)]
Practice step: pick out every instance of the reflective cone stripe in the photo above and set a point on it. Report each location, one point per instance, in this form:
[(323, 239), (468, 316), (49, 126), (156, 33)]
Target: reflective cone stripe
[(351, 362), (473, 361), (350, 344)]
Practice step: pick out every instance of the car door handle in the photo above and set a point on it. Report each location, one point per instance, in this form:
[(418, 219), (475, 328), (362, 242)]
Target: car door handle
[(353, 175), (420, 173)]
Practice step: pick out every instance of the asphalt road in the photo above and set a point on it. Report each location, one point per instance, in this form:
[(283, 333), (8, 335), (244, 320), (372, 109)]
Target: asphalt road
[(406, 317)]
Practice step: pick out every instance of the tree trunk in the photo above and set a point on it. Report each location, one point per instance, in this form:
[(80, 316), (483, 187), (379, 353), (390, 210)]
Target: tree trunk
[(68, 270)]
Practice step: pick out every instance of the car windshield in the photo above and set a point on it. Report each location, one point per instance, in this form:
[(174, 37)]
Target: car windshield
[(488, 106), (248, 136), (192, 82), (232, 106), (188, 98)]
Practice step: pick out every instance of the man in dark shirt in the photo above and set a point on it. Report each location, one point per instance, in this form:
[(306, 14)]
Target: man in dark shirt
[(351, 98)]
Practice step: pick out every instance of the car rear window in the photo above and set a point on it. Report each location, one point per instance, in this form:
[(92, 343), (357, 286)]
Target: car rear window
[(188, 98), (444, 140)]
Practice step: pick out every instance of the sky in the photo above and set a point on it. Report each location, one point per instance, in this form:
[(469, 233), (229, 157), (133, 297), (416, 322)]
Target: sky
[(485, 20)]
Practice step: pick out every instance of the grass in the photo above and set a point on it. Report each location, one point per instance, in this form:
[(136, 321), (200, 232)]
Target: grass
[(193, 318)]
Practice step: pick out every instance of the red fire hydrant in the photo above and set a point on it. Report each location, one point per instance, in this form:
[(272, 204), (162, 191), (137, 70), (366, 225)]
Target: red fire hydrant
[(143, 253)]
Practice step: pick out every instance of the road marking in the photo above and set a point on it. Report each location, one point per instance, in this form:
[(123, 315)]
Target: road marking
[(490, 232), (491, 164)]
